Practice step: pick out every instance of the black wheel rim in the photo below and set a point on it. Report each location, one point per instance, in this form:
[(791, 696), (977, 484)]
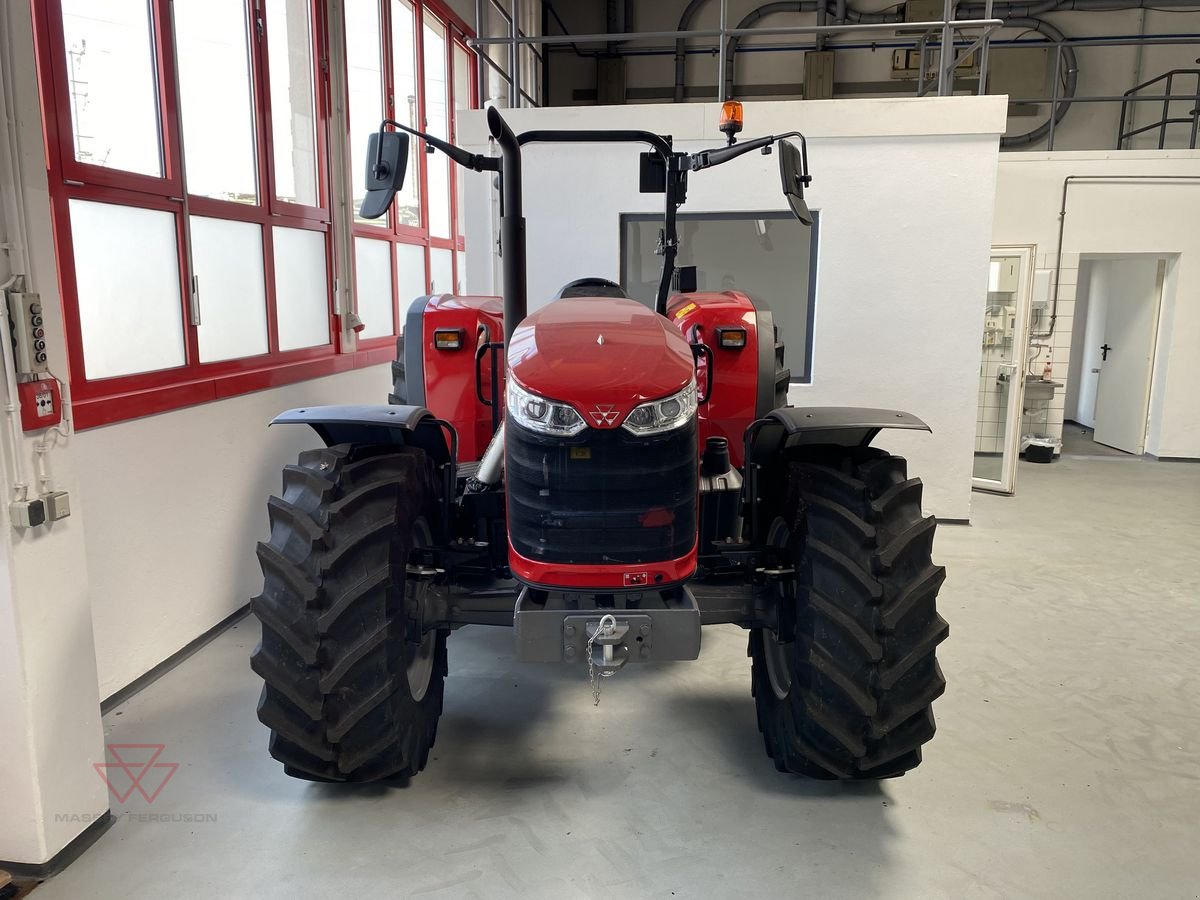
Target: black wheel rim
[(779, 673), (419, 658)]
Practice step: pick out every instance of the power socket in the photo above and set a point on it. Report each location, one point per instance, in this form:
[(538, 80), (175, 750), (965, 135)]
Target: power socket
[(58, 505), (27, 513)]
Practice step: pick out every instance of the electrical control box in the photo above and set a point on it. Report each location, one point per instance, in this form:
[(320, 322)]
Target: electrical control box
[(41, 404), (29, 333)]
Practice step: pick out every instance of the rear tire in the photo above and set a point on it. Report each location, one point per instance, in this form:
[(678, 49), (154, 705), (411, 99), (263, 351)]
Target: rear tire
[(850, 697), (351, 693)]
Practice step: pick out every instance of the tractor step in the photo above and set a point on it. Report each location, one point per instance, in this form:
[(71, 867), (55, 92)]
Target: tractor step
[(652, 625)]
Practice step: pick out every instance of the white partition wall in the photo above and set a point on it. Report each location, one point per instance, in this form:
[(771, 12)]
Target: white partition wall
[(905, 190)]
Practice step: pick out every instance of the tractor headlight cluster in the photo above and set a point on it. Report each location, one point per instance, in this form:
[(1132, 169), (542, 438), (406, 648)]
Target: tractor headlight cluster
[(662, 415), (542, 415)]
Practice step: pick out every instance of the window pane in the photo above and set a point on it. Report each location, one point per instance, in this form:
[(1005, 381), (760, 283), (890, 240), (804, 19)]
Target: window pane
[(227, 259), (364, 74), (410, 276), (767, 254), (404, 68), (293, 114), (437, 124), (462, 100), (373, 286), (111, 76), (127, 276), (460, 261), (441, 271), (301, 288), (215, 103)]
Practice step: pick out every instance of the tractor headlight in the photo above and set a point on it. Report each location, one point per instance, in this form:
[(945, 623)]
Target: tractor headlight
[(542, 415), (662, 415)]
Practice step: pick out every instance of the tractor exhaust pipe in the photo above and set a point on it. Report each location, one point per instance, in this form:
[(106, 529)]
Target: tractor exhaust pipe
[(512, 224)]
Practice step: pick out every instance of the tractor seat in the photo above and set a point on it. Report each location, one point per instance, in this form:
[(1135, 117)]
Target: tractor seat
[(591, 287)]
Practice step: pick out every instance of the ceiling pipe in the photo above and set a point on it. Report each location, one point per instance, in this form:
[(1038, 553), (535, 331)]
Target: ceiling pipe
[(1072, 66), (685, 24)]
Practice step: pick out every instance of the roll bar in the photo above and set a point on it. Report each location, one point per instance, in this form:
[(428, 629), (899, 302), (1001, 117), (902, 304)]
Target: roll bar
[(670, 169)]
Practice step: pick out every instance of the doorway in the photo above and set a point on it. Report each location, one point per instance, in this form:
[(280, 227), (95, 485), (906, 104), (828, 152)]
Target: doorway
[(1113, 349), (1006, 308)]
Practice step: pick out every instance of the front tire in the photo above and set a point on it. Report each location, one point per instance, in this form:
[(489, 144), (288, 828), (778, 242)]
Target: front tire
[(352, 692), (850, 697)]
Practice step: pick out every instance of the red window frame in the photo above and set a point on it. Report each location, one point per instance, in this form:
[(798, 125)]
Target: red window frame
[(457, 34), (105, 400)]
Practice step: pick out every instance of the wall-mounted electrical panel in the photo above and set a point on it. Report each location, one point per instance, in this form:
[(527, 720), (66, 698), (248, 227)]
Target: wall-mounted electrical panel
[(29, 333)]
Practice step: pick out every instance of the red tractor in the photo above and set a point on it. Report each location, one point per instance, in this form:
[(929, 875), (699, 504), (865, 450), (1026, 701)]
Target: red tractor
[(604, 478)]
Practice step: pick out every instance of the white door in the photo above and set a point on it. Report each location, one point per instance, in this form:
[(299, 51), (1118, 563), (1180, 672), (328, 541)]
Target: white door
[(1002, 368), (1127, 354)]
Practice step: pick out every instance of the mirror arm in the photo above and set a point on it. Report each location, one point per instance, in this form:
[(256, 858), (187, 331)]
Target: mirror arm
[(707, 158), (475, 161)]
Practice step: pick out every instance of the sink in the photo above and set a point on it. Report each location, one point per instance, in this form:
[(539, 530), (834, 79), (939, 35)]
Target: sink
[(1039, 389)]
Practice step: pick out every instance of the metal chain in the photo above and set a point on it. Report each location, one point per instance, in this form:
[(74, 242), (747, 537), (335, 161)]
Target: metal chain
[(607, 624)]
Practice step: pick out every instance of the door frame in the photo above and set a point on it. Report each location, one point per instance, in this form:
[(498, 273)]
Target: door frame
[(1007, 483)]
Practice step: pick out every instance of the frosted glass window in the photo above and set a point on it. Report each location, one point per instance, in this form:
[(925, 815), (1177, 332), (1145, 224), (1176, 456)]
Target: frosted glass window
[(127, 276), (301, 288), (437, 123), (293, 114), (373, 286), (404, 73), (213, 57), (441, 271), (364, 74), (227, 259), (462, 100), (460, 262), (111, 78), (410, 276)]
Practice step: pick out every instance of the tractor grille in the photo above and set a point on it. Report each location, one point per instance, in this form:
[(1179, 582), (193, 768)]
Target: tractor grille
[(602, 497)]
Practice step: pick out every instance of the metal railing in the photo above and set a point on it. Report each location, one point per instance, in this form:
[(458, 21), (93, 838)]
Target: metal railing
[(939, 35), (1167, 97)]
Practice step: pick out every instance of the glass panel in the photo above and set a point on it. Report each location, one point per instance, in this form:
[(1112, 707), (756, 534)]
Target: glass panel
[(460, 263), (227, 258), (410, 276), (441, 271), (404, 68), (111, 77), (766, 254), (301, 288), (293, 113), (215, 100), (463, 90), (127, 277), (365, 86), (997, 367), (437, 124), (373, 286)]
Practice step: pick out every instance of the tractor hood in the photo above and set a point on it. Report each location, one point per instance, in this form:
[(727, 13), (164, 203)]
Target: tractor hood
[(602, 355)]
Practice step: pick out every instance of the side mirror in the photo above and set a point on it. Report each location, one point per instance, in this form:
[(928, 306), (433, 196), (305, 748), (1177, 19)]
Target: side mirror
[(387, 160), (793, 174)]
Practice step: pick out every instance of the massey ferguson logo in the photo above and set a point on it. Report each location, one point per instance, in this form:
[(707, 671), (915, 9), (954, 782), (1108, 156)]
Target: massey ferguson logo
[(604, 414)]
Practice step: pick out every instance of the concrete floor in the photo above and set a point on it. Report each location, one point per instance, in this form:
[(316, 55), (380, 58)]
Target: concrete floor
[(1067, 762)]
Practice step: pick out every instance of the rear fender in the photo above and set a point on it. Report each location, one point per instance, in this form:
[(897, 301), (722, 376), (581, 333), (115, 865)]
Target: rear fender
[(410, 426)]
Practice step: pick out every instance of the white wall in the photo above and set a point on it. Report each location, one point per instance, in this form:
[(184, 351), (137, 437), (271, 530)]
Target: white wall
[(905, 190), (1103, 71), (1141, 216), (173, 505)]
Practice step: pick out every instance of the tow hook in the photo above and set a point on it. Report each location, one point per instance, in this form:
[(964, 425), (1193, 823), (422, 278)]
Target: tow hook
[(606, 651)]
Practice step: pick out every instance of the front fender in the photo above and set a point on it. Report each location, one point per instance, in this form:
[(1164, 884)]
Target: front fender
[(847, 426), (413, 426)]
